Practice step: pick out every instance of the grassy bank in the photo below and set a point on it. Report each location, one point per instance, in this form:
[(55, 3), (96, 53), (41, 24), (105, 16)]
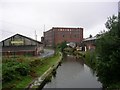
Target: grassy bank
[(36, 67), (90, 59)]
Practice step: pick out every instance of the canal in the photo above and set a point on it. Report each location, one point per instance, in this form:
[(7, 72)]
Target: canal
[(74, 73)]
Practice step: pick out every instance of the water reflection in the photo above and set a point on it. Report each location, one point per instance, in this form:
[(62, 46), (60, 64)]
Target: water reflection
[(73, 73)]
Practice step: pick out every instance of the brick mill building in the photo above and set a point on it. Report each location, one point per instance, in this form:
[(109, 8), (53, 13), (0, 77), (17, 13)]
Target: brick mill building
[(21, 45), (57, 35)]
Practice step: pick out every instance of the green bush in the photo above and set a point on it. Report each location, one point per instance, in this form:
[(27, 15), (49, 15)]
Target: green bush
[(35, 63), (61, 46), (108, 50), (13, 69), (23, 69), (8, 73), (90, 59)]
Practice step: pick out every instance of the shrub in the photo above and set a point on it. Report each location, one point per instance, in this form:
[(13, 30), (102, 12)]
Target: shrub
[(11, 68), (90, 59), (8, 73), (108, 50), (35, 63), (23, 69)]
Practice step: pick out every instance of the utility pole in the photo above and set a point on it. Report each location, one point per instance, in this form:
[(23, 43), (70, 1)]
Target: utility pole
[(119, 11), (44, 41), (35, 35), (44, 27)]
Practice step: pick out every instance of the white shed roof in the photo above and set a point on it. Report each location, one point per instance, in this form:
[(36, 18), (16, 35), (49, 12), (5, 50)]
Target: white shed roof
[(92, 38)]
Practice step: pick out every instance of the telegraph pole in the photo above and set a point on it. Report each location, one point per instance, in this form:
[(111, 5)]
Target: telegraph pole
[(44, 27), (44, 42), (35, 35)]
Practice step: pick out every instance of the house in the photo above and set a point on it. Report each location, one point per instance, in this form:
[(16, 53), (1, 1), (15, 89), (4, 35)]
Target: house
[(89, 43), (21, 45)]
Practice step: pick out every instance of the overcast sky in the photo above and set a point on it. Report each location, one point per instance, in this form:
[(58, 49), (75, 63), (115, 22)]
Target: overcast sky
[(26, 16)]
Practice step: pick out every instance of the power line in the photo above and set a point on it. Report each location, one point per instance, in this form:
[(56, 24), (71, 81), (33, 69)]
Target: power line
[(6, 31), (18, 25)]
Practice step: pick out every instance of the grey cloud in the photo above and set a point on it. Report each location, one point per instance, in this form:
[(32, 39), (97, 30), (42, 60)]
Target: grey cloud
[(22, 15)]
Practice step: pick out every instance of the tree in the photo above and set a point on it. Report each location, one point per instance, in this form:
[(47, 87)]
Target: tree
[(90, 36), (108, 53), (62, 46)]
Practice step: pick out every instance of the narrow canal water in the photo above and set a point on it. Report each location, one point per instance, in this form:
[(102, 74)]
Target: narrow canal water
[(74, 73)]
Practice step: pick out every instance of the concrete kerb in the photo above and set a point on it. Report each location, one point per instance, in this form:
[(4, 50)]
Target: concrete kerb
[(38, 81)]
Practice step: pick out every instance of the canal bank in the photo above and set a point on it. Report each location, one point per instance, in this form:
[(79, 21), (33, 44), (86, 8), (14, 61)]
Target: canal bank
[(35, 66), (45, 77)]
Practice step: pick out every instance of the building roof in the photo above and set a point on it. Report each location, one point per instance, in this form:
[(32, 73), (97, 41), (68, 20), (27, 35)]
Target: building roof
[(90, 39), (65, 28), (62, 28), (24, 37)]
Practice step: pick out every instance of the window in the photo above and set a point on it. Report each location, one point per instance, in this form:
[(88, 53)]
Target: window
[(60, 29), (75, 35)]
